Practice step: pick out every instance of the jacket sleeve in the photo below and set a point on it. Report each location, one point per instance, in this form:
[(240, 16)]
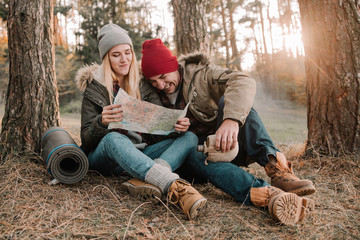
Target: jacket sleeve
[(92, 129), (238, 89)]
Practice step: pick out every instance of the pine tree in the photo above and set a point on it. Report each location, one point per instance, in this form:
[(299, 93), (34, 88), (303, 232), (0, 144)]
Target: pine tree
[(32, 99)]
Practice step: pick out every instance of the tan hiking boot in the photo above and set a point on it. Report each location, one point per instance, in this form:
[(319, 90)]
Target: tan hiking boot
[(283, 177), (287, 208), (140, 189), (187, 197)]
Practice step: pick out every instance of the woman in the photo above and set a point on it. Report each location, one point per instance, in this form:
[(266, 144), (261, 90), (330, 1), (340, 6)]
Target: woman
[(115, 151)]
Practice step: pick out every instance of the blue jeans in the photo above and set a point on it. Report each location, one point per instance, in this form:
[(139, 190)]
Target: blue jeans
[(232, 179), (116, 153), (254, 145)]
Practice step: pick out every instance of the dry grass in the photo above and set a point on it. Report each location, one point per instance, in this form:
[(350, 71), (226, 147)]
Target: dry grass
[(97, 207)]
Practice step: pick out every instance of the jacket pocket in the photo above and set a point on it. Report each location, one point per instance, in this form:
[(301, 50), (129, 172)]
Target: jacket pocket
[(206, 111)]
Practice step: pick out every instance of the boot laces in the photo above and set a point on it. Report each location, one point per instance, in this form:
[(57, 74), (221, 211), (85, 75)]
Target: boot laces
[(176, 193), (286, 173)]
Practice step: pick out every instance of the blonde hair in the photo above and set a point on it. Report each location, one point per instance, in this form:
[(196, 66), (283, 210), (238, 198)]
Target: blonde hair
[(132, 79)]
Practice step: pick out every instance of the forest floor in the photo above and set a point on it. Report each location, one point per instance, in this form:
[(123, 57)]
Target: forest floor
[(98, 208)]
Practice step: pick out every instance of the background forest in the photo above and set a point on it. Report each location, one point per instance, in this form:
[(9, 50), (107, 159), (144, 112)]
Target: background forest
[(241, 35)]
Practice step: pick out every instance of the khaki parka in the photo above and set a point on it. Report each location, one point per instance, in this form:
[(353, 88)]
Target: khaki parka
[(205, 83)]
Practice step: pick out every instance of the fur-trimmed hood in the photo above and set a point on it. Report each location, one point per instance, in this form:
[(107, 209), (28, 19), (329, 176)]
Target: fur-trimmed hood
[(195, 57), (86, 74)]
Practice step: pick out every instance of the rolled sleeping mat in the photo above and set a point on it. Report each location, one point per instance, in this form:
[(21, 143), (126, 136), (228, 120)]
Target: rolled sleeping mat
[(65, 160)]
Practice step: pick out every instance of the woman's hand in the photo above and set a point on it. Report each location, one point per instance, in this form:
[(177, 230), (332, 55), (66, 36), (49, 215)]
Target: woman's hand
[(112, 113), (182, 124)]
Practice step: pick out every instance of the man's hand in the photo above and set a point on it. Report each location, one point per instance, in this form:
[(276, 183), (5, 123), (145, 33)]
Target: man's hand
[(112, 113), (182, 124), (227, 135)]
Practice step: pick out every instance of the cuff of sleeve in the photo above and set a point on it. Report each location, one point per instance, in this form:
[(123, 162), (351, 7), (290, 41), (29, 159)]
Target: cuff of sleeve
[(239, 118), (99, 120), (235, 120)]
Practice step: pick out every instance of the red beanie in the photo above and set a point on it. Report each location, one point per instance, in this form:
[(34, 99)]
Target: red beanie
[(157, 59)]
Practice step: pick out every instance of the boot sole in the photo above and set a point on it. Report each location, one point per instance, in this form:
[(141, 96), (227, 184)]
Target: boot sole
[(304, 191), (288, 208), (144, 192), (196, 207)]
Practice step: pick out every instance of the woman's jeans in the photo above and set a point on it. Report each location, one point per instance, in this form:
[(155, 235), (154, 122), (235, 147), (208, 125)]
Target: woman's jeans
[(116, 153), (254, 144)]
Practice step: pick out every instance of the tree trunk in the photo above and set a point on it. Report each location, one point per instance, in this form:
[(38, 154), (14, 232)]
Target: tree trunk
[(262, 24), (32, 103), (332, 47), (281, 22), (66, 35), (190, 26), (235, 58), (226, 40), (257, 54), (210, 20), (58, 38), (265, 65), (273, 72)]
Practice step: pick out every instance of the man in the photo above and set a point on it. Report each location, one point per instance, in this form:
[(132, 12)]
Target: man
[(221, 102)]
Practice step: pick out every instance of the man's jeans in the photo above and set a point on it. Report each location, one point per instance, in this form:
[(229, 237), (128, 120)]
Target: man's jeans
[(254, 144), (232, 179), (116, 153)]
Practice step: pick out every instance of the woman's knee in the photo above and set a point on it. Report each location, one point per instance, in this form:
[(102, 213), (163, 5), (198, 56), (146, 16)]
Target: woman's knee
[(115, 137)]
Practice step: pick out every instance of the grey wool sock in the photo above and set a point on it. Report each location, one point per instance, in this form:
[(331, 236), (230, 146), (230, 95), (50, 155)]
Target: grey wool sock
[(161, 177), (162, 162)]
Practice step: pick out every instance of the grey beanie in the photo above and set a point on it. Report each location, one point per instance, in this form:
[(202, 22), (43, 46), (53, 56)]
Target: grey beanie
[(111, 35)]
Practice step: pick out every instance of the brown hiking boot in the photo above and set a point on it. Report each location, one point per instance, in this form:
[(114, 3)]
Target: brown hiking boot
[(187, 197), (283, 177), (140, 189), (287, 208)]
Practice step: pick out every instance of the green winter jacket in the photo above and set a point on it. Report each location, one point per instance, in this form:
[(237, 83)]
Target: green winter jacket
[(90, 80)]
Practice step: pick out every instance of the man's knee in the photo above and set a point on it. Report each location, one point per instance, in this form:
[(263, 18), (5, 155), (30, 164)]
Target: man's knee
[(191, 138)]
